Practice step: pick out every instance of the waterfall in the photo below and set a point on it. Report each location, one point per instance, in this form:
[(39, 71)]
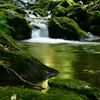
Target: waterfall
[(42, 30)]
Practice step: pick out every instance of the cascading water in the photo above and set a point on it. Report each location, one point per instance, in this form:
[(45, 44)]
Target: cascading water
[(40, 30), (69, 58)]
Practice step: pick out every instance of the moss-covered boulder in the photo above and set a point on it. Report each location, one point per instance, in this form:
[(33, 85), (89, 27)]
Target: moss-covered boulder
[(66, 28), (72, 89), (93, 22), (64, 89), (20, 27), (78, 13), (13, 57)]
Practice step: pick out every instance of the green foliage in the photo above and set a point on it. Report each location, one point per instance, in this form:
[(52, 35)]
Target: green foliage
[(3, 23)]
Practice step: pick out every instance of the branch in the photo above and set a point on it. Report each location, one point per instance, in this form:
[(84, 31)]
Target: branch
[(22, 78)]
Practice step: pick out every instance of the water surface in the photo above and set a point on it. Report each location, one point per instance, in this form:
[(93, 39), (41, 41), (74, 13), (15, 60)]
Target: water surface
[(73, 60)]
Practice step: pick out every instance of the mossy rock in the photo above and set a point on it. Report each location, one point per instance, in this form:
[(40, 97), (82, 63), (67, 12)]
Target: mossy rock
[(20, 27), (59, 11), (59, 90), (25, 65), (72, 88), (93, 19), (66, 28), (95, 29), (78, 13), (13, 8)]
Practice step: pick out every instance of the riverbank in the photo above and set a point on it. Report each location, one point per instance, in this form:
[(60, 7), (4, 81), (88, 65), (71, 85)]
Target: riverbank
[(67, 89)]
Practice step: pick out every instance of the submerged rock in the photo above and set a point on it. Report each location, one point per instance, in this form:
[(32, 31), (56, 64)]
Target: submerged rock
[(66, 28)]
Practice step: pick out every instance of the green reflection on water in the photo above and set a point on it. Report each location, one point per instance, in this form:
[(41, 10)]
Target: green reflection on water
[(71, 60)]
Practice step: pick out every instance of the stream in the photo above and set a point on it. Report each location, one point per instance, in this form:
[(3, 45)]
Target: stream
[(73, 59)]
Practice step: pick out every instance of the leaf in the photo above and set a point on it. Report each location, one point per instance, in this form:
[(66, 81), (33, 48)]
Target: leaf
[(1, 62), (8, 64)]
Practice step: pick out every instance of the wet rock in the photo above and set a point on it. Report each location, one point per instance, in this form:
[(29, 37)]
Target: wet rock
[(66, 28)]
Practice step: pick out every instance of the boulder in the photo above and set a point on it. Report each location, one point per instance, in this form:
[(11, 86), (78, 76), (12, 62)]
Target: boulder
[(15, 19), (26, 66), (66, 28), (65, 86), (92, 22), (78, 13)]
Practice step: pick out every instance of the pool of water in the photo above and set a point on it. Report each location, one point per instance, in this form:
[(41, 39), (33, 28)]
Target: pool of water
[(73, 60)]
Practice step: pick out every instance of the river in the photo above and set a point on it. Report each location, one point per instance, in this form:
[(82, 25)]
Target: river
[(78, 60), (73, 59)]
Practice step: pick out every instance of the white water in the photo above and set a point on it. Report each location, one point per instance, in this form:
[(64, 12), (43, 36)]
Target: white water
[(41, 35)]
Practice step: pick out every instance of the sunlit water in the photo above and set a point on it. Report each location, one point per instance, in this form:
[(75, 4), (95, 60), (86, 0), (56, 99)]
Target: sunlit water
[(73, 59)]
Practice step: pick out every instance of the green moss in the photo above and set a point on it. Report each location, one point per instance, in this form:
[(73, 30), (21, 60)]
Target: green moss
[(73, 87), (12, 7), (25, 65), (59, 11), (20, 27), (78, 13), (95, 29), (69, 26), (94, 18), (64, 89), (41, 12)]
